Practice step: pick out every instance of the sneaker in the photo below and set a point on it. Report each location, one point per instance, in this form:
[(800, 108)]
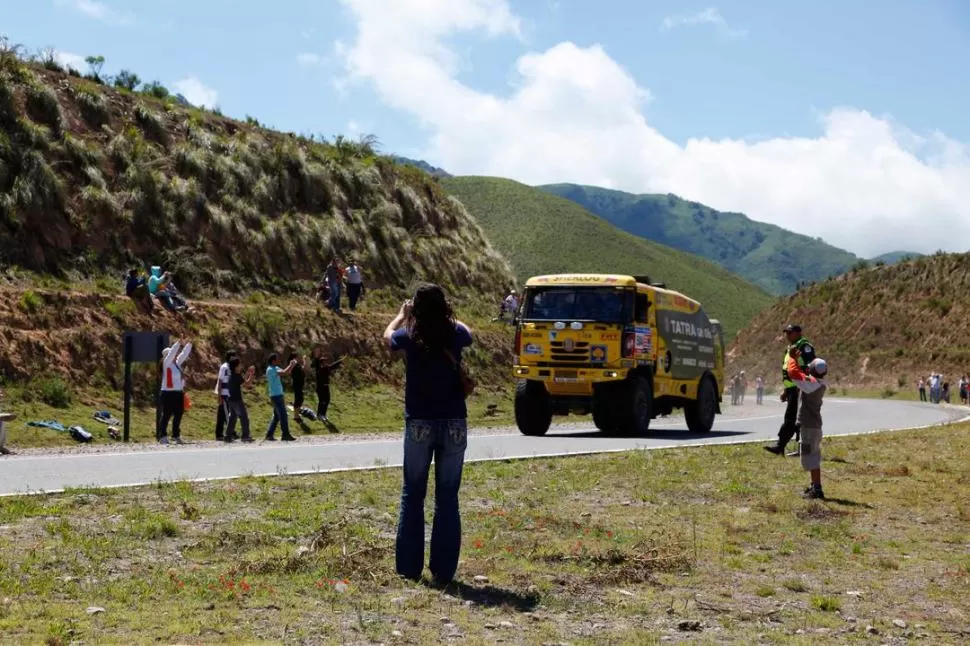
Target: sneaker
[(270, 438), (178, 440), (814, 493), (5, 451), (163, 440), (247, 440), (774, 448), (288, 438)]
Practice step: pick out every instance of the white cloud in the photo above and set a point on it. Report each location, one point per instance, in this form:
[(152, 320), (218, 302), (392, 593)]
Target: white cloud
[(709, 16), (67, 59), (864, 182), (309, 59), (196, 92), (99, 11)]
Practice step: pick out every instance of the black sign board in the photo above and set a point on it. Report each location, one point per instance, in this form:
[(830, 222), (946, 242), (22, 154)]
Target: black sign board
[(140, 347)]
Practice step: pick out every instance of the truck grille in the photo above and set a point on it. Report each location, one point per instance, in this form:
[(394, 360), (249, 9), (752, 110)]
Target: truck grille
[(559, 354)]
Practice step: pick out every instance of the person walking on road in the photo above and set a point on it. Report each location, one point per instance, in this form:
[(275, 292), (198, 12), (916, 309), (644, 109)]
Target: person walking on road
[(436, 427), (173, 391), (234, 401), (274, 384), (355, 284), (803, 353)]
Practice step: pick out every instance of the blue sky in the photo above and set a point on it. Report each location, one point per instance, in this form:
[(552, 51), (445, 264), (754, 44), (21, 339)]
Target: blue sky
[(719, 91)]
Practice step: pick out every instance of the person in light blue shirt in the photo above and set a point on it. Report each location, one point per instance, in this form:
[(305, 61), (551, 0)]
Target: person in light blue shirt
[(275, 387)]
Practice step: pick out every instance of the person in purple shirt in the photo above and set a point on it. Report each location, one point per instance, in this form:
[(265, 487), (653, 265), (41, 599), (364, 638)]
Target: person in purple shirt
[(436, 426)]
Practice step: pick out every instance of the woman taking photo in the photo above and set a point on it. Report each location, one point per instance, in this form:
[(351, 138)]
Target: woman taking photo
[(430, 337)]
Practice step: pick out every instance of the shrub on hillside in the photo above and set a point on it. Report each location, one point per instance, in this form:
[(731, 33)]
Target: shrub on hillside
[(152, 124), (51, 390), (42, 106), (31, 302), (263, 324), (93, 107)]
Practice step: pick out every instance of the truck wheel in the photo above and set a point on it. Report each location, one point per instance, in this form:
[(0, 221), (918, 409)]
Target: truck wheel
[(533, 410), (604, 412), (700, 412), (636, 406)]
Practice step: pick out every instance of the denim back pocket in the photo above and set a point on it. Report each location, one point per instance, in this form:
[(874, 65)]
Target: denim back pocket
[(419, 431), (457, 431)]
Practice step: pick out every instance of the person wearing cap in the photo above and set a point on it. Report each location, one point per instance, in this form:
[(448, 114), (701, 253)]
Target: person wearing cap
[(812, 387), (803, 353)]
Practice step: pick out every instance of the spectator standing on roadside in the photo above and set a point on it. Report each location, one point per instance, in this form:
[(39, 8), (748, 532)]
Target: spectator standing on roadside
[(803, 352), (355, 284), (322, 370), (334, 276), (812, 388), (436, 427), (935, 388), (921, 387), (173, 391), (5, 417), (274, 385), (298, 376), (235, 403), (759, 390), (222, 393)]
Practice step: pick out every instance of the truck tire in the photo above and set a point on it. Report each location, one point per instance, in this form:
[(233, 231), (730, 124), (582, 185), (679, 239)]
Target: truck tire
[(700, 412), (604, 412), (533, 410), (635, 407)]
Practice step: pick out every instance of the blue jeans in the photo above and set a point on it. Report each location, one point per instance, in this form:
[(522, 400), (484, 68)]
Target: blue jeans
[(444, 441), (334, 303), (279, 417)]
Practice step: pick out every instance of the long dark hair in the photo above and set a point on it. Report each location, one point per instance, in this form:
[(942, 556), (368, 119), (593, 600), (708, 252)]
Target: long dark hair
[(431, 322)]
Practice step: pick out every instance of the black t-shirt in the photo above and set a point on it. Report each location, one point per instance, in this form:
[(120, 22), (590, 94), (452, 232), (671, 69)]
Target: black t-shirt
[(322, 370), (235, 387), (299, 377)]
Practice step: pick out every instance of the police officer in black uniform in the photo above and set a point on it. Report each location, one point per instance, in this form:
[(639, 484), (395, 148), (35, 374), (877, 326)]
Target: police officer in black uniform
[(804, 353)]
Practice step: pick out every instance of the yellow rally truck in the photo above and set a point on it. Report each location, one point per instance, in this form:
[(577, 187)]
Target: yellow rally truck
[(619, 347)]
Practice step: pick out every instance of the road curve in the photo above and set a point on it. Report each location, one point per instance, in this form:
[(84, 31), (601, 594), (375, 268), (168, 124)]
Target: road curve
[(36, 473)]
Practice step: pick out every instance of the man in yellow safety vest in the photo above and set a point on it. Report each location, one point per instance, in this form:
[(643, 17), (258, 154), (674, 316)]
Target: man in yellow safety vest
[(803, 353)]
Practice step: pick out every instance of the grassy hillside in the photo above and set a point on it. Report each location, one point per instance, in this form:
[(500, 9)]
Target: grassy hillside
[(95, 178), (542, 233), (879, 327), (767, 255)]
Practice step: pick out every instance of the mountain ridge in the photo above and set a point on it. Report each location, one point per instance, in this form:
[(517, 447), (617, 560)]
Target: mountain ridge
[(768, 255)]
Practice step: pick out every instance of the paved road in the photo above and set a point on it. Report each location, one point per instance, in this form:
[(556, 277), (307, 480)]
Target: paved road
[(36, 473)]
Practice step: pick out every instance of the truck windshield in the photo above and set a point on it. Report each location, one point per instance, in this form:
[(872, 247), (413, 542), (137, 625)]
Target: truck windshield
[(605, 304)]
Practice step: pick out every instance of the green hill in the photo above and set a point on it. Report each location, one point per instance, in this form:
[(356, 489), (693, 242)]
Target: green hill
[(767, 255), (541, 233), (878, 326)]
